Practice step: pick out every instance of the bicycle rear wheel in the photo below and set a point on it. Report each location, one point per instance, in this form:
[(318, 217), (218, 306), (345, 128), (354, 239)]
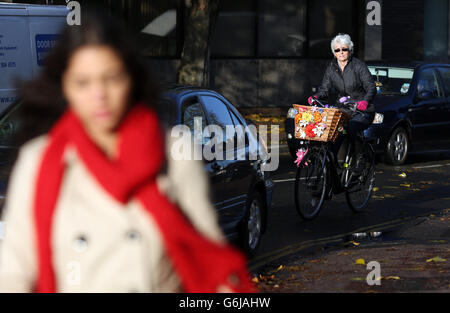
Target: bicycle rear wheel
[(360, 189), (310, 184)]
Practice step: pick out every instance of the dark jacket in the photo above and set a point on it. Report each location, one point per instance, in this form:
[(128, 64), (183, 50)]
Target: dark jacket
[(356, 82)]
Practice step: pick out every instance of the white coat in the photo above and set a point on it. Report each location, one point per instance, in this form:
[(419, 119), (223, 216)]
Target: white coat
[(99, 245)]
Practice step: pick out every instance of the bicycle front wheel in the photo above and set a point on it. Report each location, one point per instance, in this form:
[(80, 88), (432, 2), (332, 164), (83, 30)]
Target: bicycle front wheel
[(310, 184), (360, 189)]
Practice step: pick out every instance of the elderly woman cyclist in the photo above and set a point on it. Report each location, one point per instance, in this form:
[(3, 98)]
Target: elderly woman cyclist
[(349, 76)]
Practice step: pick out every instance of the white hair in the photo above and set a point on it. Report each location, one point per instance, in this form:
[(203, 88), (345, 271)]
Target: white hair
[(344, 39)]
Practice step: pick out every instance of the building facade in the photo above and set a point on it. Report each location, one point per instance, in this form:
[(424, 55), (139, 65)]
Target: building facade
[(273, 52)]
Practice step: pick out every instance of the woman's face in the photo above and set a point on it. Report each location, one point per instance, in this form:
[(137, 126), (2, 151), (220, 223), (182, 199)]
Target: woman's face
[(341, 55), (97, 87)]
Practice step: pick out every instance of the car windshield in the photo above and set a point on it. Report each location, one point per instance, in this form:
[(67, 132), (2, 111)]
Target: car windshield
[(392, 80)]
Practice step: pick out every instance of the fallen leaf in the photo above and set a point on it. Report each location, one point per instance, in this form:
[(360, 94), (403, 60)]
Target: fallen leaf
[(354, 243), (438, 241), (255, 280), (279, 268), (418, 268), (436, 259), (375, 189), (402, 175), (357, 279), (360, 261)]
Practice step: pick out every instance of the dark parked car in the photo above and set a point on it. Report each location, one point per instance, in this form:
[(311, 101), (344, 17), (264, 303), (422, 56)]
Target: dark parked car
[(241, 190), (413, 110)]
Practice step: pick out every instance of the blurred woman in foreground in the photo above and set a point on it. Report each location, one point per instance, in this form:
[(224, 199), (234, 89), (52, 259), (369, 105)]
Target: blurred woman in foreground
[(87, 207)]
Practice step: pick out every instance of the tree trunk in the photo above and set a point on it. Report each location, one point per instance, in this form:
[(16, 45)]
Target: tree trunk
[(199, 26)]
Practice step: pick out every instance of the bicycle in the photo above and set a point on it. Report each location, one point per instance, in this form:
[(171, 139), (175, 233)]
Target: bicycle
[(320, 175)]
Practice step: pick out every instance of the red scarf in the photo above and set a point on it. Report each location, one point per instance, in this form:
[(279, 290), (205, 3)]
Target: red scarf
[(201, 264)]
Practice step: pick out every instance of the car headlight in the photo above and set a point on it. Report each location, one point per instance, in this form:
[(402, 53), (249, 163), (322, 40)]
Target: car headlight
[(378, 118), (291, 113)]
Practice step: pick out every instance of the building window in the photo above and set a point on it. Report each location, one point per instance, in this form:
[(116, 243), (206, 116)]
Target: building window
[(281, 28), (235, 30), (157, 25), (327, 18)]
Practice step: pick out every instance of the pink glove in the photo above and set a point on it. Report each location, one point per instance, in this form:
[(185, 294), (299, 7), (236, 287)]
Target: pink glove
[(362, 105), (311, 98)]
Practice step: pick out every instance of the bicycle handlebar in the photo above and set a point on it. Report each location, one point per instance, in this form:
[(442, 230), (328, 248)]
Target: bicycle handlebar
[(347, 104)]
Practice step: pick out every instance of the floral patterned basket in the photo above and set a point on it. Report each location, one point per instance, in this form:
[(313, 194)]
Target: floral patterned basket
[(317, 123)]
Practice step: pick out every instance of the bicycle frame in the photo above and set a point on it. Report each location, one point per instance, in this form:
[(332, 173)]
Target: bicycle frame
[(339, 181)]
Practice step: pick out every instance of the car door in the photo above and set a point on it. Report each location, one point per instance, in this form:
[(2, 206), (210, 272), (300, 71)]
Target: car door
[(426, 113), (218, 115), (191, 109), (445, 78), (242, 167)]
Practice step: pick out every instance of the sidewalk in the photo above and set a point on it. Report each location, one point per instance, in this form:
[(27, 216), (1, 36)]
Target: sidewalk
[(414, 259)]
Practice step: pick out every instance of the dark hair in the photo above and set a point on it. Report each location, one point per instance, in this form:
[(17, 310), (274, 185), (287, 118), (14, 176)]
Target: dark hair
[(42, 98)]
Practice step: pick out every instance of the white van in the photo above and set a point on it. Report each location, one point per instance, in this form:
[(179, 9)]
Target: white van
[(27, 33)]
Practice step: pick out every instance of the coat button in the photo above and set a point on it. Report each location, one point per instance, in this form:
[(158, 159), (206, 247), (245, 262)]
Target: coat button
[(133, 235), (80, 244)]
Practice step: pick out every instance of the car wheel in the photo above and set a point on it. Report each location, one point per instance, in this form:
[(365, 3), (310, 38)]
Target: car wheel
[(252, 225), (398, 147)]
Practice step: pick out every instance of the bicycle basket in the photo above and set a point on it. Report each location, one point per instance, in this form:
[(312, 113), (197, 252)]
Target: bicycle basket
[(318, 124)]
